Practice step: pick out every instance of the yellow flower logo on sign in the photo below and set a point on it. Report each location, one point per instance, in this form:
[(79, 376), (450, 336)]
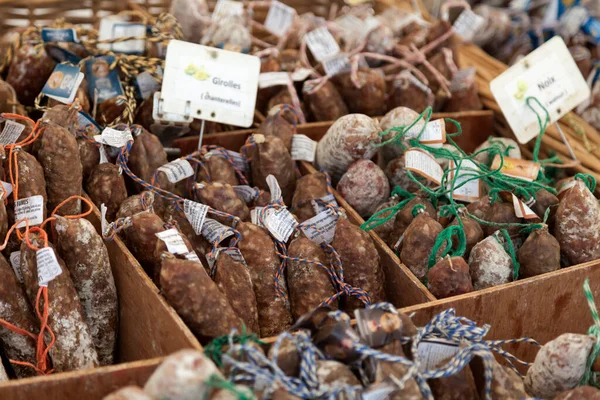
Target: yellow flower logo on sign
[(198, 73), (521, 90)]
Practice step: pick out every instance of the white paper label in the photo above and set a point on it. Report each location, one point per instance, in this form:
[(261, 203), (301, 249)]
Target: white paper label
[(209, 83), (281, 223), (337, 64), (5, 190), (47, 266), (195, 214), (434, 134), (254, 216), (177, 170), (353, 27), (274, 188), (470, 191), (227, 8), (239, 161), (103, 221), (549, 74), (269, 79), (234, 253), (114, 27), (433, 353), (11, 132), (303, 148), (114, 138), (31, 208), (321, 43), (321, 227), (192, 256), (246, 193), (301, 74), (423, 164), (319, 204), (522, 210), (174, 241), (213, 230), (15, 262), (280, 18), (468, 24), (103, 156)]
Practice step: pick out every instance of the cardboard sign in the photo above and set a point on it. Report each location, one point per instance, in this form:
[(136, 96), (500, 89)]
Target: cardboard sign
[(549, 74), (211, 84)]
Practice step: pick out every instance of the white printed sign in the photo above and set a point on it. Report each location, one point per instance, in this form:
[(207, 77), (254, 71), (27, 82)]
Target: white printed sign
[(213, 230), (280, 18), (274, 188), (470, 191), (11, 132), (321, 227), (424, 164), (177, 170), (468, 24), (321, 43), (281, 223), (303, 148), (268, 79), (15, 262), (209, 83), (47, 266), (549, 74), (173, 241), (114, 27), (114, 138), (195, 214), (30, 208)]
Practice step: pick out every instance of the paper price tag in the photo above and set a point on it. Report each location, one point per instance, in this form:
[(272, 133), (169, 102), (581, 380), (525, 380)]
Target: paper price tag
[(84, 120), (274, 188), (103, 221), (246, 193), (15, 263), (211, 84), (468, 24), (319, 204), (254, 216), (280, 18), (303, 148), (30, 208), (433, 135), (321, 227), (174, 241), (281, 223), (470, 191), (177, 170), (422, 163), (227, 8), (234, 253), (59, 35), (114, 138), (11, 132), (337, 64), (5, 190), (103, 81), (48, 267), (353, 27), (549, 74), (522, 210), (213, 230), (239, 161), (321, 43), (63, 83), (435, 352), (114, 27), (269, 79), (301, 74), (522, 169), (103, 156), (195, 214), (192, 256)]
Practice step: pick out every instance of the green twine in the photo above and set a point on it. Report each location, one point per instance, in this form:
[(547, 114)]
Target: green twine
[(588, 179), (217, 382), (402, 130), (214, 349), (500, 143), (377, 218), (509, 248), (416, 209), (445, 239), (538, 141), (590, 378)]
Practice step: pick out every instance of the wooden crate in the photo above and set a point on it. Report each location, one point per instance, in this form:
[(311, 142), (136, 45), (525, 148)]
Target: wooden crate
[(148, 328)]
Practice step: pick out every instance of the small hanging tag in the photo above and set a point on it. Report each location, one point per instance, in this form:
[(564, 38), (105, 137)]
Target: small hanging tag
[(48, 267), (11, 132), (548, 74), (239, 161), (30, 208), (15, 263), (103, 221), (177, 170), (254, 213), (421, 162), (114, 27), (434, 352), (195, 214), (470, 191), (5, 190), (353, 27), (173, 241), (114, 138), (319, 204), (513, 167), (434, 134), (63, 83), (84, 120), (147, 84), (227, 8), (468, 24), (336, 64), (269, 79), (280, 18), (321, 227), (303, 148), (192, 256), (59, 35), (281, 223), (301, 74), (274, 188), (321, 44), (234, 253), (213, 230), (522, 210), (103, 156), (246, 193), (102, 80), (572, 20)]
